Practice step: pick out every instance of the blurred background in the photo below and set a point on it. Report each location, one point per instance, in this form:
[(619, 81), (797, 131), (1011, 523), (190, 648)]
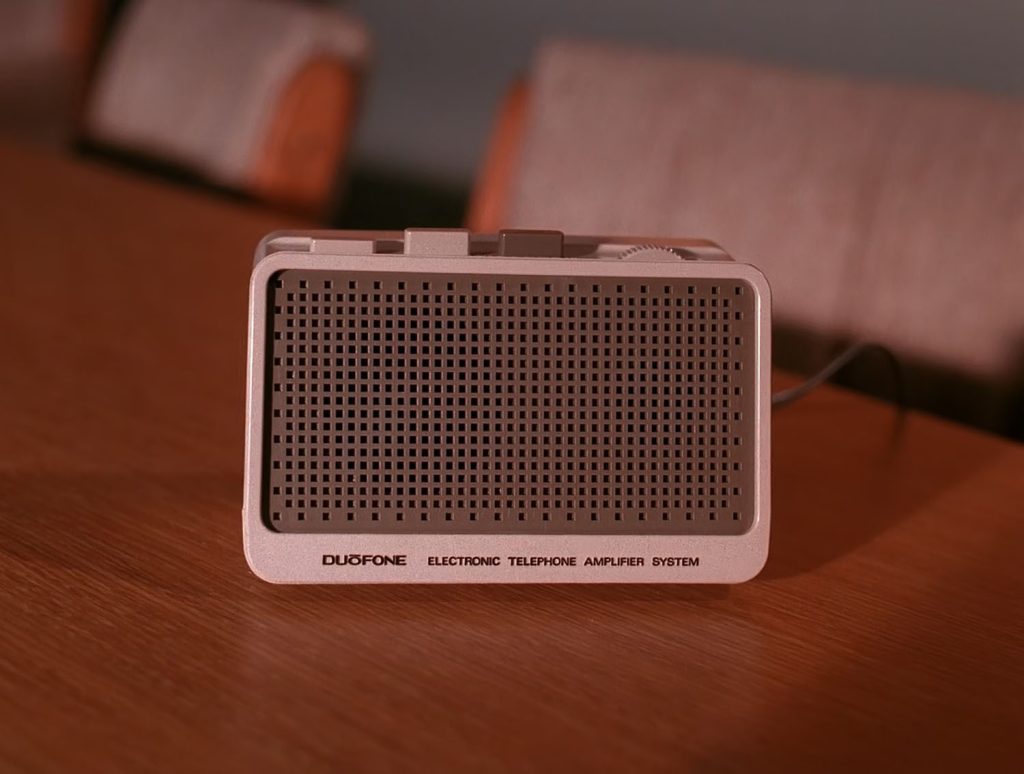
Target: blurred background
[(868, 155), (440, 68)]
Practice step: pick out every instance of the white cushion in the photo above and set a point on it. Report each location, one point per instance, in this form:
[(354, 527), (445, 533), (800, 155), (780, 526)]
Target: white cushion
[(196, 82)]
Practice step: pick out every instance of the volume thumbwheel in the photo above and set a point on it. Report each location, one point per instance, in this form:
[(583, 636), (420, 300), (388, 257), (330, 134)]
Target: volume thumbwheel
[(650, 253)]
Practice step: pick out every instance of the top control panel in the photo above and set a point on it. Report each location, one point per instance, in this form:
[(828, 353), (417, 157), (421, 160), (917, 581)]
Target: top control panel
[(510, 243)]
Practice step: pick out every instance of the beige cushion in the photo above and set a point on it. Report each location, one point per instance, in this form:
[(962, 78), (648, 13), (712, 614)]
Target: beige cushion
[(196, 82), (891, 213)]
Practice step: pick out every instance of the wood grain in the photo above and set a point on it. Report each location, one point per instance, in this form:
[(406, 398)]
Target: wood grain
[(885, 632)]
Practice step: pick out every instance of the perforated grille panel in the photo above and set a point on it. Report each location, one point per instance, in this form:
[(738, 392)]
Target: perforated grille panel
[(518, 404)]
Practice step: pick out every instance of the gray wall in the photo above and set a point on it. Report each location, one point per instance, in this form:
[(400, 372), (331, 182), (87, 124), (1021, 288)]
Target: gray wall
[(441, 66)]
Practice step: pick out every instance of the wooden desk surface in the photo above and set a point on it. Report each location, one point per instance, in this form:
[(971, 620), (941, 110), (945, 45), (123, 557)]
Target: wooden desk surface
[(887, 630)]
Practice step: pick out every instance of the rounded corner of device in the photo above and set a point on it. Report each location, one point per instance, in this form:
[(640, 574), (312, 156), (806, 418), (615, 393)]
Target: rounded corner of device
[(254, 532), (754, 567), (758, 280), (258, 566), (754, 559), (261, 273), (262, 247)]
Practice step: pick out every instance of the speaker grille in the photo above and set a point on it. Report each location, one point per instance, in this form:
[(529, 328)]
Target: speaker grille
[(404, 403)]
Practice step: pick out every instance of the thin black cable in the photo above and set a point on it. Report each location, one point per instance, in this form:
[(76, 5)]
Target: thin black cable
[(785, 397)]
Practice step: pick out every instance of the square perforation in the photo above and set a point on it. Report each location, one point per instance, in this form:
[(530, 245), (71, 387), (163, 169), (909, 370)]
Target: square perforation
[(519, 404)]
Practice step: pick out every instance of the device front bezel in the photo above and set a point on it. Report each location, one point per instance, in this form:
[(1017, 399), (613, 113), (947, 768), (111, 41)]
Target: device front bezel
[(300, 558)]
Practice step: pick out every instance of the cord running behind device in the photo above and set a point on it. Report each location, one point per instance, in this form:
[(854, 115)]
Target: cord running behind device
[(441, 406)]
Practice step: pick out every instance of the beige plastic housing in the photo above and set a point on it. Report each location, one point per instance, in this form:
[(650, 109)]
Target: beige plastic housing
[(441, 406)]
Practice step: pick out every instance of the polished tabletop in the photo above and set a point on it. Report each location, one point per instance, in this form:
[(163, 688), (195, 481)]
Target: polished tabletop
[(887, 630)]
